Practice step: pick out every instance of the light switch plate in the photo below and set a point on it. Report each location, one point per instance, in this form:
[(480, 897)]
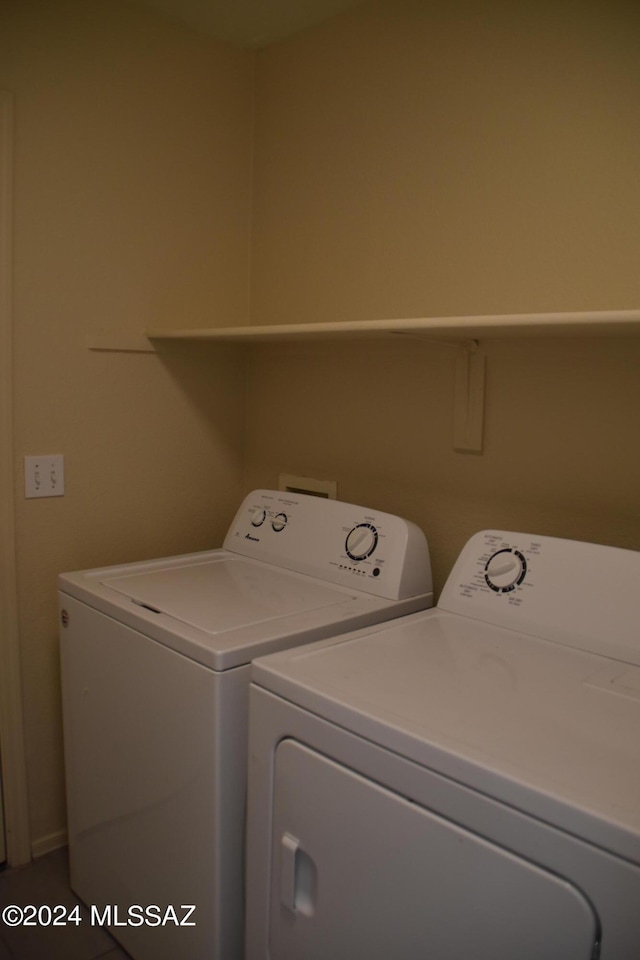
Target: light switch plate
[(44, 476)]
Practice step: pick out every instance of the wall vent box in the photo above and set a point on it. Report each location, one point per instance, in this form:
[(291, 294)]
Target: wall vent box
[(315, 488)]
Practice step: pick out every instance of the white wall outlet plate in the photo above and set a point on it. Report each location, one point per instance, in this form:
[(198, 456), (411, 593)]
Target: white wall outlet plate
[(44, 476)]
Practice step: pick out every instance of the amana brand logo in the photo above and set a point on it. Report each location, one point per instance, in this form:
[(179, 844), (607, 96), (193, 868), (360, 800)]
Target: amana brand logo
[(249, 537)]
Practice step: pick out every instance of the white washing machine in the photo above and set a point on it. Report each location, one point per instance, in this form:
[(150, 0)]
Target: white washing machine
[(460, 783), (155, 676)]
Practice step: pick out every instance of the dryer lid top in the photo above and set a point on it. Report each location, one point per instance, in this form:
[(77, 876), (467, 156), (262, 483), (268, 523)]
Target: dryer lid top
[(541, 726)]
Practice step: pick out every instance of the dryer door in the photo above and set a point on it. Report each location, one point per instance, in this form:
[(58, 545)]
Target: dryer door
[(358, 871)]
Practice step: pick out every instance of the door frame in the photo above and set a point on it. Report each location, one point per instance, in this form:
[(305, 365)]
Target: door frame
[(12, 748)]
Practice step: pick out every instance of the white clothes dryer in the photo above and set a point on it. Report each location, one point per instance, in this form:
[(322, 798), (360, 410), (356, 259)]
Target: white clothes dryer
[(155, 676), (462, 782)]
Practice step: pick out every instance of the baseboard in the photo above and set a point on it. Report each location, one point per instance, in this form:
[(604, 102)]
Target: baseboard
[(49, 843)]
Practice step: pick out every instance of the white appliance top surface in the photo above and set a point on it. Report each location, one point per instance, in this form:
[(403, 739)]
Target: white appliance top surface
[(223, 610), (225, 593), (539, 725), (294, 568)]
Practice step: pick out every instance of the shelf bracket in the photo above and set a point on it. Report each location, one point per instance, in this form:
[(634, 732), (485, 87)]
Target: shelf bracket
[(120, 342), (468, 403)]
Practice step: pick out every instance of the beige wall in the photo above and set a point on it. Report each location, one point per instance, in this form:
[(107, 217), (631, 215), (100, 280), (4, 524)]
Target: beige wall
[(426, 159), (419, 159), (132, 170), (561, 455), (411, 159)]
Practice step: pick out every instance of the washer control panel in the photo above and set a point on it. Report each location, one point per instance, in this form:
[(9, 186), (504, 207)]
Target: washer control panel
[(372, 551), (580, 594)]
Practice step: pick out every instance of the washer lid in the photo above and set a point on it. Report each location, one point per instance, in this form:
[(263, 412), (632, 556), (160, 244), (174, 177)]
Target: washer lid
[(224, 594), (543, 727)]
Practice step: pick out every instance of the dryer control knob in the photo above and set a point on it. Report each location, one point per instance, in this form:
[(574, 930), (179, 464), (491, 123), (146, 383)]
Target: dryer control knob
[(505, 570), (361, 541)]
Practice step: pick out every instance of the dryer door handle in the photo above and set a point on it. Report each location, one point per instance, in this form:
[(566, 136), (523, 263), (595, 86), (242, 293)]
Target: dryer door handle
[(297, 877)]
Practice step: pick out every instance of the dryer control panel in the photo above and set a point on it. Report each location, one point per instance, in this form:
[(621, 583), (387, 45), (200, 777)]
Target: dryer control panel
[(582, 594), (367, 550)]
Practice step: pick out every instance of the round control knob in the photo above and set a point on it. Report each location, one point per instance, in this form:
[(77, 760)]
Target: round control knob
[(279, 522), (258, 517), (505, 570), (361, 541)]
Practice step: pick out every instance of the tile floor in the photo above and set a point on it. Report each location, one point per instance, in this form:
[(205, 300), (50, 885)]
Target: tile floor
[(46, 882)]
